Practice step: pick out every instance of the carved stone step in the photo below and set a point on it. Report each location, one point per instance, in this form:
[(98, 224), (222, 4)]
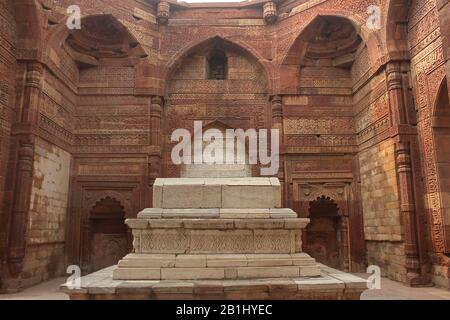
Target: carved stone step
[(215, 260), (215, 267), (201, 213), (332, 284)]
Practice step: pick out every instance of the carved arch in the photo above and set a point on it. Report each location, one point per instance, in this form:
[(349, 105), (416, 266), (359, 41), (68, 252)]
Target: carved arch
[(106, 199), (326, 236), (56, 39), (176, 60), (311, 192), (93, 199), (441, 140), (441, 94), (295, 52), (322, 202)]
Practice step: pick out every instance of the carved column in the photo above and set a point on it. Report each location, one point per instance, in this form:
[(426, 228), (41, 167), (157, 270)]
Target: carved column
[(155, 120), (155, 138), (21, 206), (408, 210), (345, 243), (85, 246), (163, 12), (277, 113), (32, 93), (23, 133), (394, 82), (402, 136), (276, 103), (270, 12)]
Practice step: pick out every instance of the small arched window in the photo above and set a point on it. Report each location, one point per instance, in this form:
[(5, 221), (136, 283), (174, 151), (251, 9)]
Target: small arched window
[(217, 66)]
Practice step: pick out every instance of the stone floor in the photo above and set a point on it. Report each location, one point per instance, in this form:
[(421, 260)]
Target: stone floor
[(391, 290), (45, 291)]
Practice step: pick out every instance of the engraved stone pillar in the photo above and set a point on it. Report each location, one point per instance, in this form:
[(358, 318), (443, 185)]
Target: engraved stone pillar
[(277, 123), (345, 243), (408, 211), (24, 167), (154, 158), (270, 12), (33, 88), (404, 170), (163, 12), (155, 120), (85, 242), (394, 82), (277, 112), (21, 205)]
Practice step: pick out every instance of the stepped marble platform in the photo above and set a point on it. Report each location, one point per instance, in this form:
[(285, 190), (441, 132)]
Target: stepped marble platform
[(330, 285), (225, 233)]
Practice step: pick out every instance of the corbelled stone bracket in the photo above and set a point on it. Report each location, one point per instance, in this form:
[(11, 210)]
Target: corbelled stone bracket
[(163, 12), (270, 13)]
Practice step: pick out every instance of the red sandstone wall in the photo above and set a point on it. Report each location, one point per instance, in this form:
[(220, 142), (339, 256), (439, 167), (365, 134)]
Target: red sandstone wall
[(7, 98), (240, 101), (337, 123), (48, 214), (428, 71), (383, 231)]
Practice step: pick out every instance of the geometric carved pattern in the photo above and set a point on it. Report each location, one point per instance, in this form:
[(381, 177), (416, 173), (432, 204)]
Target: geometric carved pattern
[(215, 241), (319, 126), (163, 241)]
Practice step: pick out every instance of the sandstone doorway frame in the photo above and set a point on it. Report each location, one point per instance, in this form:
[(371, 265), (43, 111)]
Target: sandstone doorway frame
[(107, 222), (326, 225), (84, 195), (86, 226), (352, 246)]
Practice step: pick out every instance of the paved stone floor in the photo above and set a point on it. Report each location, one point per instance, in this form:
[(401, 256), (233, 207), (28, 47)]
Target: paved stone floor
[(45, 291), (390, 290)]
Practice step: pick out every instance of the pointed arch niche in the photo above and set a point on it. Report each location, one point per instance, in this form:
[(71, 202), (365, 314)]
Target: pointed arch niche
[(441, 133), (214, 81), (323, 234), (109, 234), (92, 101)]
